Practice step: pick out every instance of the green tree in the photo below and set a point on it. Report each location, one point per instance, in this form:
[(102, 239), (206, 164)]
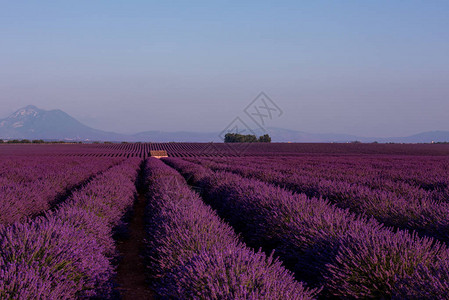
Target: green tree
[(265, 138), (231, 138), (249, 138), (239, 138)]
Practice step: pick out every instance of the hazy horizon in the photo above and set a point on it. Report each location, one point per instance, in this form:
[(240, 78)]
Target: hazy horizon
[(367, 69)]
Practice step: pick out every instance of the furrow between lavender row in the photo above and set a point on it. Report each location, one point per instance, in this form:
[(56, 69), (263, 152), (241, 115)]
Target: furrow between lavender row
[(68, 253), (30, 186), (426, 216), (350, 255), (193, 254)]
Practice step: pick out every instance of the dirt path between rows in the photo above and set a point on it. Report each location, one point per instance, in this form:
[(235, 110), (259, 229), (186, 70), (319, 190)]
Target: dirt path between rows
[(131, 276)]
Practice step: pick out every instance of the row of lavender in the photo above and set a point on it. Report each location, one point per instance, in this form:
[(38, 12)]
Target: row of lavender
[(221, 149), (424, 177), (194, 255), (423, 174), (272, 149), (349, 255), (31, 185), (68, 252), (377, 191), (385, 166)]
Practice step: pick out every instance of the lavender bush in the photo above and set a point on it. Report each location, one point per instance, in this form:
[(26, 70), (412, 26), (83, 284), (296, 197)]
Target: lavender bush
[(428, 282), (351, 255), (193, 254), (368, 191), (67, 253), (30, 185)]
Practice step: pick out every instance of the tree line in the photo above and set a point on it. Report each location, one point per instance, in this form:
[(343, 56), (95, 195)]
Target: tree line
[(246, 138)]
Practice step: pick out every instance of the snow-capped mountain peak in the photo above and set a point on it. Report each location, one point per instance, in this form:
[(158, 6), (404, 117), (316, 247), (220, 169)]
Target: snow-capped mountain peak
[(29, 110), (31, 122)]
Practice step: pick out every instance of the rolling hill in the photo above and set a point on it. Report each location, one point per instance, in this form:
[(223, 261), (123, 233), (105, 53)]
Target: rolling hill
[(31, 122)]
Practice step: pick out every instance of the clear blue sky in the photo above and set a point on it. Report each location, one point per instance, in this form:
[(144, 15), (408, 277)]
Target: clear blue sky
[(371, 69)]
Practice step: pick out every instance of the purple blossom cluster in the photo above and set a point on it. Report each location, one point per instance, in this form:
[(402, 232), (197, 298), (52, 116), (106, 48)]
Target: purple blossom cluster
[(428, 282), (31, 185), (392, 190), (67, 253), (193, 254), (352, 256)]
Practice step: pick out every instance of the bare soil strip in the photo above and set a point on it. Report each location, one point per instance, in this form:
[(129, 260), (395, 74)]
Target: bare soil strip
[(131, 270)]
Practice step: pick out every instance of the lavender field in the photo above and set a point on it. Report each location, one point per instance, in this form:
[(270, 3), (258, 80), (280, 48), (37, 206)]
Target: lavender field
[(275, 221)]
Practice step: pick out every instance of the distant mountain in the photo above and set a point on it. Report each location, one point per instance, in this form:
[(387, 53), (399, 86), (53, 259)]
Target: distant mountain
[(287, 135), (423, 137), (31, 122), (178, 136)]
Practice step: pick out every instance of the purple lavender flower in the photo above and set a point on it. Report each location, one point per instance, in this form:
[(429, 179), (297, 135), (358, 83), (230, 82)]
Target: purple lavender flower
[(67, 253), (353, 256), (193, 254)]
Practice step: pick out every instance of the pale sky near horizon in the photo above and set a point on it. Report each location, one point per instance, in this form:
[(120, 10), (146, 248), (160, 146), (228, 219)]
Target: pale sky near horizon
[(369, 69)]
